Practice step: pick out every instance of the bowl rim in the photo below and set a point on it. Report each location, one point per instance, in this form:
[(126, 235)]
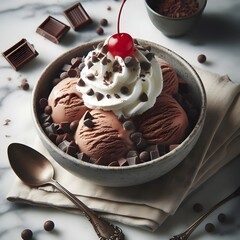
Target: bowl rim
[(163, 158), (199, 10)]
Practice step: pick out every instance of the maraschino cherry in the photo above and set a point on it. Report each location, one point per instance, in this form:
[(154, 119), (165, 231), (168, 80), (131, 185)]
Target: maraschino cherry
[(121, 44)]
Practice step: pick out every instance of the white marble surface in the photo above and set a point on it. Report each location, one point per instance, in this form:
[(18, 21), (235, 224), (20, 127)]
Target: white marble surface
[(217, 36)]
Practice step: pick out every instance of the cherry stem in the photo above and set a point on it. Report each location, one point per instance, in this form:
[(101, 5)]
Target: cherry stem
[(119, 14)]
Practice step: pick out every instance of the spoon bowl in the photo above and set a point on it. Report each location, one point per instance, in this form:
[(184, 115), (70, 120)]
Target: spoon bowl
[(35, 170)]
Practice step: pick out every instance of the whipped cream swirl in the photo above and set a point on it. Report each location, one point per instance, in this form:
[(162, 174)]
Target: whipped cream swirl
[(127, 86)]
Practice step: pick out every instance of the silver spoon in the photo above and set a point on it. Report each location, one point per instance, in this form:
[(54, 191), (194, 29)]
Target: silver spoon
[(186, 234), (35, 170)]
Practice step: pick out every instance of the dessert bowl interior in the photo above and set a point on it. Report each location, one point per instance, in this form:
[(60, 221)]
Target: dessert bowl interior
[(170, 26), (125, 175)]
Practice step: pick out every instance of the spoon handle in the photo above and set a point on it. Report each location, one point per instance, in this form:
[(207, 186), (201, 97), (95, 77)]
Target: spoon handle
[(104, 229)]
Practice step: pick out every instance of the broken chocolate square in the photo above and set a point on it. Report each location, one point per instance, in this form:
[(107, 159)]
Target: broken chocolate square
[(20, 53), (77, 16), (52, 29)]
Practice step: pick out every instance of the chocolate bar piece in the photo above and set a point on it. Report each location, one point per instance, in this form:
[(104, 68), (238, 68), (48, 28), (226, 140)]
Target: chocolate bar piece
[(53, 29), (20, 53), (77, 16)]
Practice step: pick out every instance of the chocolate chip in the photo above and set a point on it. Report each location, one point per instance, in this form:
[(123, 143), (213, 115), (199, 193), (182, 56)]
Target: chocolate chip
[(108, 96), (122, 162), (90, 92), (145, 156), (95, 59), (81, 66), (99, 96), (124, 90), (72, 73), (76, 61), (145, 65), (209, 227), (27, 234), (116, 67), (49, 225), (24, 85), (222, 218), (128, 125), (88, 115), (197, 207), (104, 49), (104, 61), (100, 31), (201, 58), (133, 160), (81, 83), (104, 22), (130, 61), (88, 123), (143, 97), (90, 76), (66, 67)]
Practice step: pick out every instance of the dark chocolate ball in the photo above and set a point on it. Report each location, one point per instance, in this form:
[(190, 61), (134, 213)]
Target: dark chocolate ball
[(26, 234), (49, 225)]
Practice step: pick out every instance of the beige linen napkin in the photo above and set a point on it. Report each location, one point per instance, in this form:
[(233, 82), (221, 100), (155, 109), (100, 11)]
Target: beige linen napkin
[(148, 205)]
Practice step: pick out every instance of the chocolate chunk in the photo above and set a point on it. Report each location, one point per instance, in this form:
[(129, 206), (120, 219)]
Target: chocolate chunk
[(90, 92), (116, 96), (95, 59), (88, 123), (114, 164), (81, 83), (76, 61), (89, 64), (53, 29), (84, 157), (49, 225), (132, 154), (81, 66), (122, 162), (88, 115), (133, 160), (99, 96), (128, 125), (117, 67), (66, 67), (143, 97), (149, 56), (77, 16), (104, 49), (20, 53), (24, 84)]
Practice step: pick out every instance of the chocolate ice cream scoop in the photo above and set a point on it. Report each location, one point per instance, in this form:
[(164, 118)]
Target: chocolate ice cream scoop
[(66, 102), (165, 123), (103, 137), (170, 78)]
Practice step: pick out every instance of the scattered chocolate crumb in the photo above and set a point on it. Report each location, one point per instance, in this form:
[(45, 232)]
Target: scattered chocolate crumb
[(197, 207), (27, 234), (9, 78), (104, 22), (7, 136), (109, 8), (49, 225), (210, 227), (7, 121), (201, 58), (100, 31), (222, 218)]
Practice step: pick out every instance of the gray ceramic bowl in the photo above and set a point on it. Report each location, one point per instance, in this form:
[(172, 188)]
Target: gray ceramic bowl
[(127, 175), (173, 27)]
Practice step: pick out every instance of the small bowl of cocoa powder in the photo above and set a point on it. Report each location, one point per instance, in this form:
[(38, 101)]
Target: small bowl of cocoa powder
[(175, 18)]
